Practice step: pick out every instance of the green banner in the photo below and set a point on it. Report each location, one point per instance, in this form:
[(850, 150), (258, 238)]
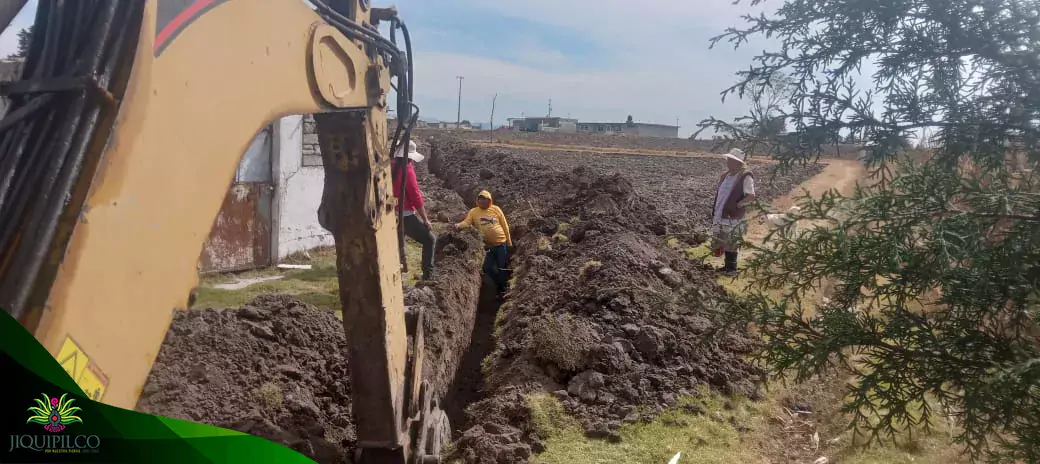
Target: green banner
[(45, 417)]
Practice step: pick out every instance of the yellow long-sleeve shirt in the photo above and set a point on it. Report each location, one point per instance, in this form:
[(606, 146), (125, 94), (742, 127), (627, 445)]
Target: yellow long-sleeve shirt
[(491, 222)]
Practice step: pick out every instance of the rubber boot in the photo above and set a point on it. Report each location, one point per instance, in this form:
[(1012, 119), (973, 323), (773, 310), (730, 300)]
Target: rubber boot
[(730, 268)]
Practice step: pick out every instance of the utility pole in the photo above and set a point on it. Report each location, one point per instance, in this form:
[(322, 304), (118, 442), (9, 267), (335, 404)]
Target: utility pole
[(458, 118), (492, 122)]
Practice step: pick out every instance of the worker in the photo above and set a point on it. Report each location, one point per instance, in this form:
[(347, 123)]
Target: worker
[(416, 223), (492, 224), (736, 189)]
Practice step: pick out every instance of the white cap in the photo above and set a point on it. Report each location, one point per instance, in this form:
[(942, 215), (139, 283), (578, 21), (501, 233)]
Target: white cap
[(736, 154), (412, 152)]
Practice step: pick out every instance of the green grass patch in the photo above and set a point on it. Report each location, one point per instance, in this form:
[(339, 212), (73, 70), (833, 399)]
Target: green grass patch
[(698, 252), (701, 438), (318, 286)]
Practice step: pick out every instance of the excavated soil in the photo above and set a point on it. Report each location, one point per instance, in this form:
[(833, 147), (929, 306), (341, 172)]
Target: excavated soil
[(681, 187), (276, 368), (602, 313), (606, 142)]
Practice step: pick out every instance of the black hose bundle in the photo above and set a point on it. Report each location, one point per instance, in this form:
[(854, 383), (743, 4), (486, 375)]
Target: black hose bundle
[(52, 135)]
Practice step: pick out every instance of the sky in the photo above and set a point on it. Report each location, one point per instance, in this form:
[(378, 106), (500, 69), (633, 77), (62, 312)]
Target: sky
[(597, 60), (9, 38)]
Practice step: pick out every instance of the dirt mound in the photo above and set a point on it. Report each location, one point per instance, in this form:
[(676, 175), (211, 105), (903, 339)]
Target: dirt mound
[(682, 187), (276, 368), (602, 313), (619, 141), (529, 192)]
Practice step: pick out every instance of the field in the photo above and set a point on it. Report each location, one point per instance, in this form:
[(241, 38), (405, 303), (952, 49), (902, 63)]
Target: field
[(607, 348)]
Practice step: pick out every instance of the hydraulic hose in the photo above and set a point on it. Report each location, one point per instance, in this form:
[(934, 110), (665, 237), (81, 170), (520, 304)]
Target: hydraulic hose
[(78, 58)]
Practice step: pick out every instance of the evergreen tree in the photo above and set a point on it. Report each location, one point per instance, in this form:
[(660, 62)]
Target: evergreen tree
[(24, 40), (934, 262)]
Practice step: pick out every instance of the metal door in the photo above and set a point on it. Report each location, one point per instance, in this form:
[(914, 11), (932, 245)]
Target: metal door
[(241, 234)]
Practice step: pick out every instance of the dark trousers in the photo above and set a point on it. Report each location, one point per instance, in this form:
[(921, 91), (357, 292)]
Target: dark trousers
[(416, 230), (496, 266)]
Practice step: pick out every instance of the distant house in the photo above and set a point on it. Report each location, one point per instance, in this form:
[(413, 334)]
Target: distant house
[(464, 125), (638, 129), (566, 125), (548, 124)]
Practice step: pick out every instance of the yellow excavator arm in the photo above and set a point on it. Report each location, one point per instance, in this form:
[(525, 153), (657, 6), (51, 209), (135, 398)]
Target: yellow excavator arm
[(117, 148)]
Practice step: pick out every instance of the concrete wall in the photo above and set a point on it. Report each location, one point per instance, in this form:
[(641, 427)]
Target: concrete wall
[(10, 70), (640, 130), (656, 131), (299, 182)]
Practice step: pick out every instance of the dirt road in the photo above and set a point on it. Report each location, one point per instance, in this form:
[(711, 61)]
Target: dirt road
[(839, 175)]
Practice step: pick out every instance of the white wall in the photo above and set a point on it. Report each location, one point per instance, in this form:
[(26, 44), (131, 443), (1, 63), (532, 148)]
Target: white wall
[(298, 191)]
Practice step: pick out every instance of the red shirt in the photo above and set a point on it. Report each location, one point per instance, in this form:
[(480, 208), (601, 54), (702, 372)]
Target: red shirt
[(413, 199)]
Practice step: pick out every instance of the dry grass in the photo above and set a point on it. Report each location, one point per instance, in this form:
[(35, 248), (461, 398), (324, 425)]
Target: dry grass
[(793, 424), (589, 268), (270, 395), (806, 422), (562, 340)]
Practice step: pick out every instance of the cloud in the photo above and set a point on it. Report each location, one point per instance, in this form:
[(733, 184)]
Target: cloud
[(650, 61)]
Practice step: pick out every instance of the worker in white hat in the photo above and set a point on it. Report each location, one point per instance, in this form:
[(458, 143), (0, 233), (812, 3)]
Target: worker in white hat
[(736, 189), (416, 223)]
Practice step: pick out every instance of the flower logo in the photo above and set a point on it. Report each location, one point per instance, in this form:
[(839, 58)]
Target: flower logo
[(54, 413)]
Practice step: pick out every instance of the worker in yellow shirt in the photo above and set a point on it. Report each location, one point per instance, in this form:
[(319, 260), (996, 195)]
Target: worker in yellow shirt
[(492, 224)]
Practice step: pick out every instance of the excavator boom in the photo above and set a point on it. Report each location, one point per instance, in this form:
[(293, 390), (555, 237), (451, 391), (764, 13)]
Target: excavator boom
[(117, 148)]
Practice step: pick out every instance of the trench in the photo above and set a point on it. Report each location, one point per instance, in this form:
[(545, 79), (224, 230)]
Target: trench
[(468, 384)]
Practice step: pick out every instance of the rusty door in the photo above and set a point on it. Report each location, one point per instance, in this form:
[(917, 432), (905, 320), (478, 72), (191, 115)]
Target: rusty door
[(241, 235)]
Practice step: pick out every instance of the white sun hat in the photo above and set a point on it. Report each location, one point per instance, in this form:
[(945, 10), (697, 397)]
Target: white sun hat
[(736, 154), (413, 153)]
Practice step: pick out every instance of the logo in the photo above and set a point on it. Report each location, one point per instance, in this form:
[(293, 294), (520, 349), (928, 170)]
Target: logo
[(54, 413)]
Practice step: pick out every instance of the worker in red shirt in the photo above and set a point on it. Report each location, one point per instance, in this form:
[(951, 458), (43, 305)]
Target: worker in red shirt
[(416, 222)]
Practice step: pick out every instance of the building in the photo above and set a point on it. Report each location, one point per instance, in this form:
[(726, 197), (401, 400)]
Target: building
[(549, 124), (10, 70), (638, 129), (271, 207), (464, 125), (270, 210), (565, 125)]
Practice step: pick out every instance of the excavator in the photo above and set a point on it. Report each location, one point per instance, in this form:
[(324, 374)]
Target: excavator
[(118, 144)]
